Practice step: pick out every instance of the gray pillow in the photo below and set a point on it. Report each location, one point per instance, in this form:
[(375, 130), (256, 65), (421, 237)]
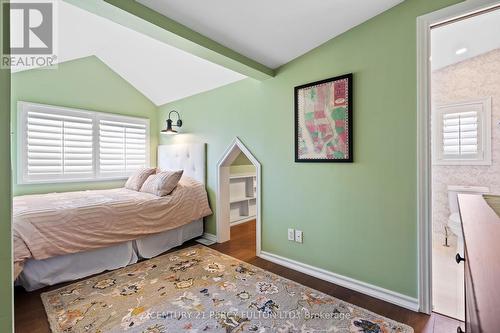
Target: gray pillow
[(162, 183)]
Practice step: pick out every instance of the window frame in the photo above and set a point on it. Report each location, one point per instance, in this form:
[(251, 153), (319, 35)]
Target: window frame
[(483, 108), (22, 152)]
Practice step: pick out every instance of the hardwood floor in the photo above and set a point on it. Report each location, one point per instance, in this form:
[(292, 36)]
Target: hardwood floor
[(30, 315)]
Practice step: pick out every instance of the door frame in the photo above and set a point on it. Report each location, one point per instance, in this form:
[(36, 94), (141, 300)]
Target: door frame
[(424, 185), (222, 216)]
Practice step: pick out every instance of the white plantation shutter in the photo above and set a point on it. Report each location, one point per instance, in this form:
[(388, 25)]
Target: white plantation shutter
[(123, 147), (60, 144), (462, 133)]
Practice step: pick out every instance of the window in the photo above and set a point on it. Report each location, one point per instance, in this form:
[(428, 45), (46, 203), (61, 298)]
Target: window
[(122, 146), (462, 133), (59, 144)]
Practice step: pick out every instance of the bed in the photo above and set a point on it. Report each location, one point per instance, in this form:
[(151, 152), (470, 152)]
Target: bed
[(77, 234)]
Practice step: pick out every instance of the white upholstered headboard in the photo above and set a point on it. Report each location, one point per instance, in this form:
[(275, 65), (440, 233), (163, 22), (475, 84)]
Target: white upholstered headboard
[(189, 157)]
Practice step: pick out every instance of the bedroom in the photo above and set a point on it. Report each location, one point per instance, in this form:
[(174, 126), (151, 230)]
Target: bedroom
[(348, 236)]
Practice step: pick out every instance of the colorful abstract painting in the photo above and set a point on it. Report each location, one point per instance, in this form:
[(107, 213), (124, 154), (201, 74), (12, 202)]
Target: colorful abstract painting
[(323, 121)]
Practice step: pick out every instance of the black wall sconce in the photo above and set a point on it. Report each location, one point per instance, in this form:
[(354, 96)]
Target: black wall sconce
[(169, 129)]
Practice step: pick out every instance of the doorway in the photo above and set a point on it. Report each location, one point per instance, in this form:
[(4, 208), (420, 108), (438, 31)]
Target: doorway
[(465, 64), (457, 47), (238, 194)]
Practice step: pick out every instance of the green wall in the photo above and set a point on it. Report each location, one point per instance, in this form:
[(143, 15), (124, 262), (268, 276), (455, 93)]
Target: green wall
[(5, 193), (85, 83), (241, 159), (359, 219), (241, 165), (239, 169)]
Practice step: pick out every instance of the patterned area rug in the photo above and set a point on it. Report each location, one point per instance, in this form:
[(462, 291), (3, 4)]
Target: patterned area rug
[(201, 290)]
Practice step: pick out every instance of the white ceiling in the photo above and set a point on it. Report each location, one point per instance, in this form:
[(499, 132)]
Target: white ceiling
[(160, 72), (478, 34), (272, 32)]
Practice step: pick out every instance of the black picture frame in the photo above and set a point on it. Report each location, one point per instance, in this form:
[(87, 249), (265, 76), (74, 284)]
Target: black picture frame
[(350, 158)]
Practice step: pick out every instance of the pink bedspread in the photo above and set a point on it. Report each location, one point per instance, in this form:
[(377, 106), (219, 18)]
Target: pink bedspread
[(54, 224)]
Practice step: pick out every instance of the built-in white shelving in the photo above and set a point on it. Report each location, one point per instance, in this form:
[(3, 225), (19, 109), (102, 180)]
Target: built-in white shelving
[(242, 200)]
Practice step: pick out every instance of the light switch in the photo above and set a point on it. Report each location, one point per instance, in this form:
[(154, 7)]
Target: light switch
[(298, 236)]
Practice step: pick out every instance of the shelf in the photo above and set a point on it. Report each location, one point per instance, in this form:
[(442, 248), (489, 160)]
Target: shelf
[(241, 199), (242, 175)]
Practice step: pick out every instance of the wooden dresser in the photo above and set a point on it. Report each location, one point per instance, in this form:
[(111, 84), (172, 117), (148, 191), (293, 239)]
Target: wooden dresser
[(481, 229)]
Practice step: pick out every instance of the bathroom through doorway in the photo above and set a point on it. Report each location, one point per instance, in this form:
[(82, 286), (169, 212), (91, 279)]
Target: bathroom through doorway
[(464, 113)]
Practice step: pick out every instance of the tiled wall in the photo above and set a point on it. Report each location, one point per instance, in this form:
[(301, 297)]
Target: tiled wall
[(473, 78)]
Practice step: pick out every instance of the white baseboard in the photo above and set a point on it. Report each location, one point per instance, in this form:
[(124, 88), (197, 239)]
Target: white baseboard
[(248, 219), (404, 301), (210, 237)]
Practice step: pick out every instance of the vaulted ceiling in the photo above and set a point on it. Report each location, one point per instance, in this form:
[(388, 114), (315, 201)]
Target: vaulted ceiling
[(272, 32), (159, 71), (240, 38)]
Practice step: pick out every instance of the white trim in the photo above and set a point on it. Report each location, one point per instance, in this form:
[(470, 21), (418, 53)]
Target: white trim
[(404, 301), (245, 220), (222, 215), (210, 237), (424, 220)]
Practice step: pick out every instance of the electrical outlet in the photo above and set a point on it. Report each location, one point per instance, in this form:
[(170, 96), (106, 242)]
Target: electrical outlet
[(298, 236), (291, 234)]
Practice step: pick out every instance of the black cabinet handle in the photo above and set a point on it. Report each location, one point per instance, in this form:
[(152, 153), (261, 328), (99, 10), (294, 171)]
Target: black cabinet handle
[(458, 258), (459, 330)]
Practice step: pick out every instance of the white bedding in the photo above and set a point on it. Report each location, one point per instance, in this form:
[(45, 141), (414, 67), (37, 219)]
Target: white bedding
[(56, 224), (40, 273)]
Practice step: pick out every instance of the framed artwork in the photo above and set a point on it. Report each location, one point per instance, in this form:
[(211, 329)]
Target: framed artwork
[(323, 121)]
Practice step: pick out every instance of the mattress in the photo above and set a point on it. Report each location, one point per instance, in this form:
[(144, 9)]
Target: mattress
[(55, 224)]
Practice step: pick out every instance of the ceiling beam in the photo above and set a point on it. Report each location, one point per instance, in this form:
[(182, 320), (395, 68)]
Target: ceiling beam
[(140, 18)]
